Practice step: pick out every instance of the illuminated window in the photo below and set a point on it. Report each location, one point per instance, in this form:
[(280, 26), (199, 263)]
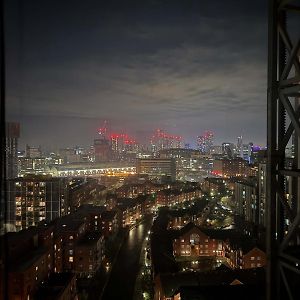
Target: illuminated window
[(194, 238), (71, 259), (71, 237), (252, 257)]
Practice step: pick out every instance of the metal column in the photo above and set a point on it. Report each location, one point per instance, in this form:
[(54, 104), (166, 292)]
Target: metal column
[(283, 173)]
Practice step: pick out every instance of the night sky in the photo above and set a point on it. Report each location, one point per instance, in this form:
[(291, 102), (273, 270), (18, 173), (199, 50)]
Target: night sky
[(184, 66)]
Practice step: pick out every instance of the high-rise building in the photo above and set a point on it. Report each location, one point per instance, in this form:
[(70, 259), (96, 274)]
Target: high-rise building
[(228, 150), (101, 150), (205, 142), (162, 140), (32, 199), (12, 135), (239, 146), (247, 151)]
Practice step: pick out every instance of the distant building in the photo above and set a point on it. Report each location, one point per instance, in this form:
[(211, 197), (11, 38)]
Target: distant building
[(239, 147), (12, 136), (191, 165), (33, 199), (70, 155), (237, 167), (33, 152), (29, 165), (162, 140), (102, 150), (205, 142), (247, 152), (157, 168), (216, 150), (228, 150)]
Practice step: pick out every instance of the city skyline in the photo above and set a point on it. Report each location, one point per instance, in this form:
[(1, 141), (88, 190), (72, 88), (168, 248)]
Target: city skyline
[(145, 141), (139, 65)]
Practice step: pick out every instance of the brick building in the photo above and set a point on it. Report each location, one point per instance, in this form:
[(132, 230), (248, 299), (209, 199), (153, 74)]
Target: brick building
[(59, 286), (170, 197), (236, 167), (239, 251), (88, 254), (254, 258), (109, 222), (194, 242)]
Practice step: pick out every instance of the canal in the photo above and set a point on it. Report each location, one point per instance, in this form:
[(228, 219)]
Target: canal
[(126, 267)]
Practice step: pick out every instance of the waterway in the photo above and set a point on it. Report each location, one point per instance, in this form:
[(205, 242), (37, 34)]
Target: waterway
[(126, 266)]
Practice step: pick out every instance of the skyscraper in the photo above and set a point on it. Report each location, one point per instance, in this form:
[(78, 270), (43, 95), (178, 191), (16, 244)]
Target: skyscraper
[(205, 142), (239, 146)]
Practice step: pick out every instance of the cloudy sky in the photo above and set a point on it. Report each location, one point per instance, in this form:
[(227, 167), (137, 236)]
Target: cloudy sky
[(181, 65)]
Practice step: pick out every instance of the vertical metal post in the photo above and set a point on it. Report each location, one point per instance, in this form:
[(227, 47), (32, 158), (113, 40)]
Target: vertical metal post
[(271, 149), (283, 214), (3, 204)]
